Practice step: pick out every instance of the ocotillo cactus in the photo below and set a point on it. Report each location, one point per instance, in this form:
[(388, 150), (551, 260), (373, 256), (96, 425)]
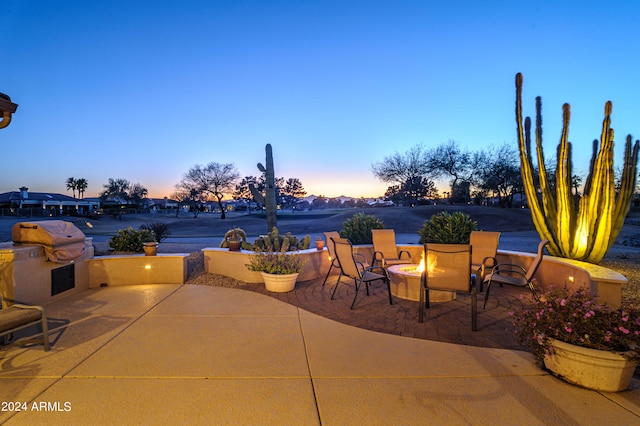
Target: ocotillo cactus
[(268, 199), (588, 233)]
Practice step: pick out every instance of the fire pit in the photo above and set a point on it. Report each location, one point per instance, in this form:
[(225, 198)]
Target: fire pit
[(405, 283)]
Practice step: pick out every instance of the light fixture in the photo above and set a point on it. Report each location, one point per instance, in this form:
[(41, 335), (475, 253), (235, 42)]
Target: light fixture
[(6, 109)]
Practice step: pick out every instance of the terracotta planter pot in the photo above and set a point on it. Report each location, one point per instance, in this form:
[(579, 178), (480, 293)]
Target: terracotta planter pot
[(279, 283), (590, 368), (150, 249), (234, 245), (319, 244)]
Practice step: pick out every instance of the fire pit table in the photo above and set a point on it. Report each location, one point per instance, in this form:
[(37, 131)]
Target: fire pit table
[(405, 284)]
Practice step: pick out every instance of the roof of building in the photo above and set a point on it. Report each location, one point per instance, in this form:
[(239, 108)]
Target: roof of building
[(34, 197)]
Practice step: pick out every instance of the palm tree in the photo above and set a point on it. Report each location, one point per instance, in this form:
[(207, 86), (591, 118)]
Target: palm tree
[(72, 185), (81, 186)]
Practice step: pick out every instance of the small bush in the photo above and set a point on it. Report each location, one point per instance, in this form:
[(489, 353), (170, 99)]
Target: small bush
[(130, 241), (445, 228), (160, 230), (280, 263), (358, 228)]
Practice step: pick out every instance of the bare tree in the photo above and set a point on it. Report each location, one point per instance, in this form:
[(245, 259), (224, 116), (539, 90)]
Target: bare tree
[(214, 180), (498, 173), (409, 171), (449, 160)]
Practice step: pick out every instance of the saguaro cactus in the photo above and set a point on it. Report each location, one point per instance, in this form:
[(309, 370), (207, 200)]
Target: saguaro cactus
[(268, 199), (586, 231)]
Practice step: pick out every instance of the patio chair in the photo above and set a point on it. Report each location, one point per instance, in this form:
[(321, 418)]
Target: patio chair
[(448, 267), (332, 254), (358, 272), (17, 316), (512, 274), (385, 250), (483, 257)]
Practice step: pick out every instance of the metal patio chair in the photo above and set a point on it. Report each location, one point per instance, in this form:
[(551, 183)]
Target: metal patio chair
[(483, 256), (512, 274), (385, 250), (357, 271), (448, 267)]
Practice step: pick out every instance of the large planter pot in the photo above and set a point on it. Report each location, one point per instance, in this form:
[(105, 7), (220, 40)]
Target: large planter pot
[(590, 368), (279, 283)]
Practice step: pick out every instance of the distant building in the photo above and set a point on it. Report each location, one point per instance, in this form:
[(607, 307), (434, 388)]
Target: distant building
[(23, 202)]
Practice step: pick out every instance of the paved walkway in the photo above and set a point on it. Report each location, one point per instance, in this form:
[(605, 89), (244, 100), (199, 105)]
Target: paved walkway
[(178, 354)]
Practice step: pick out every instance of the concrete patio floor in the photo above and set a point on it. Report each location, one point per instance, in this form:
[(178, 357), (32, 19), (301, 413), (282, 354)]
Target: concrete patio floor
[(172, 354)]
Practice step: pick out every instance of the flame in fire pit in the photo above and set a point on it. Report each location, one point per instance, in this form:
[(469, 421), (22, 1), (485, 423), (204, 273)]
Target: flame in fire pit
[(419, 268)]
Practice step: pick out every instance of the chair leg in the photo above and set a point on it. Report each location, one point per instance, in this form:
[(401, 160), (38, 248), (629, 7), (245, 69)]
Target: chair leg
[(388, 282), (327, 276), (474, 306), (421, 303), (336, 286), (533, 291), (486, 296), (358, 285), (45, 332)]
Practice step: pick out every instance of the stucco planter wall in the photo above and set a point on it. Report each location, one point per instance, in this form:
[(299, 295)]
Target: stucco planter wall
[(557, 271), (227, 263), (138, 269)]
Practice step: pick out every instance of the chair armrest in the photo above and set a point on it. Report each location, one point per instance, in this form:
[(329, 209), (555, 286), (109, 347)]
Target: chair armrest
[(21, 306), (405, 252), (377, 256), (485, 262), (508, 267), (381, 270)]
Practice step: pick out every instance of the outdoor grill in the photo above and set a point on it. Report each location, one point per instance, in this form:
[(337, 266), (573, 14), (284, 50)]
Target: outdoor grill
[(62, 241)]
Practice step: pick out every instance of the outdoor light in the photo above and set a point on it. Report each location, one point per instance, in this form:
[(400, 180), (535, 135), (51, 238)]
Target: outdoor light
[(6, 108)]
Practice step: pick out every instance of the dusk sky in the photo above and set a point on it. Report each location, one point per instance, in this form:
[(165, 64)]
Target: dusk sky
[(145, 90)]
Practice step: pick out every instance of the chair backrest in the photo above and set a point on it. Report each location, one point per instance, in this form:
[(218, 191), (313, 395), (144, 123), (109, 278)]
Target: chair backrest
[(384, 241), (344, 254), (330, 248), (485, 244), (448, 266), (533, 267)]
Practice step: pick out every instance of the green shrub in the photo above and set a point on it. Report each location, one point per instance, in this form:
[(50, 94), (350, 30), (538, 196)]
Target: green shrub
[(160, 230), (358, 228), (131, 241), (445, 228), (280, 263)]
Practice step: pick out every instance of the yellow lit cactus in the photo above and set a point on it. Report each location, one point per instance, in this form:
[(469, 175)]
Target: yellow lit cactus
[(588, 231)]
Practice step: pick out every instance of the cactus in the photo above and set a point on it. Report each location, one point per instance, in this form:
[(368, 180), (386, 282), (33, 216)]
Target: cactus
[(268, 199), (274, 242), (588, 233), (305, 243)]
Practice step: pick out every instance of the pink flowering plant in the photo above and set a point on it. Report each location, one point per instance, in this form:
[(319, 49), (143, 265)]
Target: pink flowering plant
[(578, 319)]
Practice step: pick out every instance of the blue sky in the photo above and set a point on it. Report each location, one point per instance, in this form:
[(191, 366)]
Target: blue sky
[(144, 90)]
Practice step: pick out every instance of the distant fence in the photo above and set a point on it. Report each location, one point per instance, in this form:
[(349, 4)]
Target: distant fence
[(40, 212)]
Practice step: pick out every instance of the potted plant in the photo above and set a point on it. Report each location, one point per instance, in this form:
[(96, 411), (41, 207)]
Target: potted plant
[(279, 269), (319, 243), (129, 240), (234, 239), (580, 340)]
